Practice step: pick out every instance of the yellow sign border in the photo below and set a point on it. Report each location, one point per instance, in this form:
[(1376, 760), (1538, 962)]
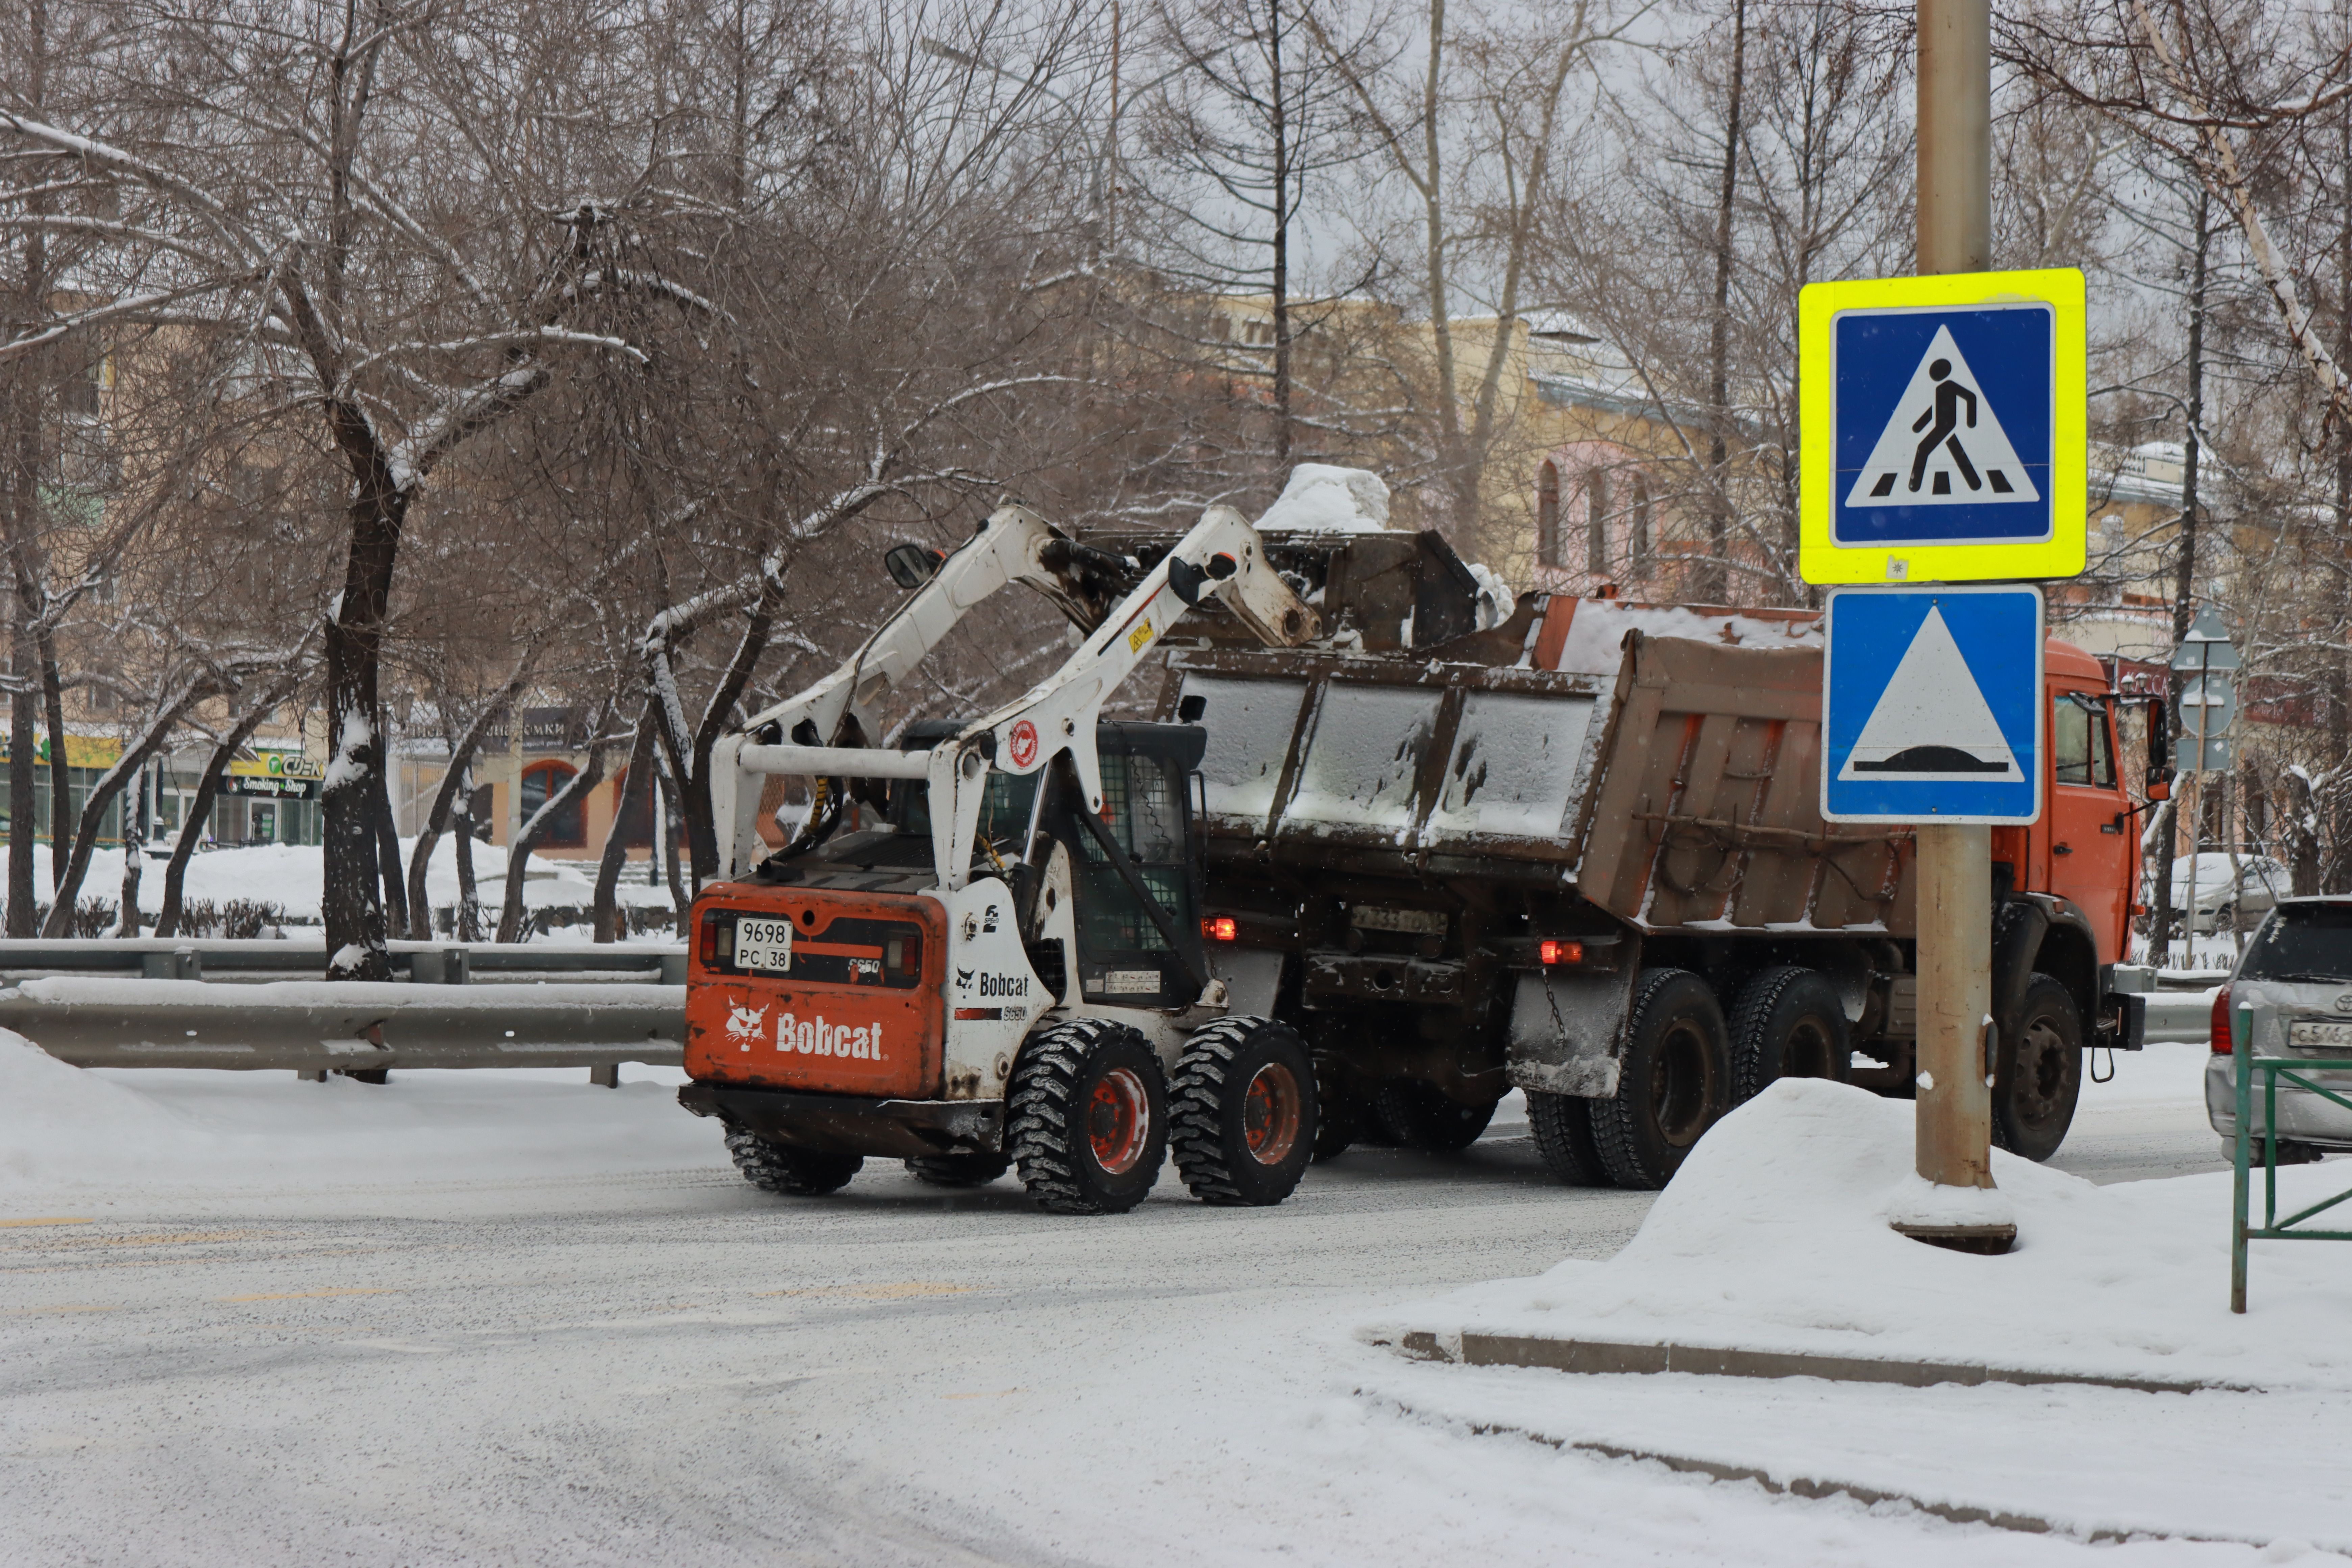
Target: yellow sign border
[(2065, 552)]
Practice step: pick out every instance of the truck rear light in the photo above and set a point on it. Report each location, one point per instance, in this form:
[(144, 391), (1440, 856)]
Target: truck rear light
[(1554, 952), (2222, 1046), (1224, 927)]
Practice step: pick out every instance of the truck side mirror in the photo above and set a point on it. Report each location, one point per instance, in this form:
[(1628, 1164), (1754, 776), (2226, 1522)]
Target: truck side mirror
[(2159, 749), (911, 566)]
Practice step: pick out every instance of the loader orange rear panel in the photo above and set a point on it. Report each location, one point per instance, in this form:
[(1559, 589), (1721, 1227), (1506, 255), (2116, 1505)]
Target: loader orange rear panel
[(853, 1007)]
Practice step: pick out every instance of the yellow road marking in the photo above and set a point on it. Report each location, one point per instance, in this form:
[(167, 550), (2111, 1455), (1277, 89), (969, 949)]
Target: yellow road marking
[(165, 1239), (308, 1295), (61, 1219), (897, 1293)]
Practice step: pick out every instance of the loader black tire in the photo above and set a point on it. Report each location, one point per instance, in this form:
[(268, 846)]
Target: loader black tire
[(1087, 1117), (2037, 1072), (1422, 1117), (1242, 1111), (790, 1172), (1789, 1021), (1673, 1081), (957, 1170), (1562, 1125)]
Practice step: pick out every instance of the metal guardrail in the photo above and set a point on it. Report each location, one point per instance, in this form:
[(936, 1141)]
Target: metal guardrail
[(312, 1025), (214, 958)]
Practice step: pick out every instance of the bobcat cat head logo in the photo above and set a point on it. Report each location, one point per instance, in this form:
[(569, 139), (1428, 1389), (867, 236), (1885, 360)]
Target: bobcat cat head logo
[(963, 979), (744, 1023)]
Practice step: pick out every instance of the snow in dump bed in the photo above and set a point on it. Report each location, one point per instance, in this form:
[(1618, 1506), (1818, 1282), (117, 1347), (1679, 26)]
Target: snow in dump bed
[(69, 1127), (1596, 637), (1322, 498), (1774, 1236)]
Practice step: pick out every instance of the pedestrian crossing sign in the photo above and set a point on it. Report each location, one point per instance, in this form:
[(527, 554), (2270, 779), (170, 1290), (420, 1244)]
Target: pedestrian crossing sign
[(1943, 428)]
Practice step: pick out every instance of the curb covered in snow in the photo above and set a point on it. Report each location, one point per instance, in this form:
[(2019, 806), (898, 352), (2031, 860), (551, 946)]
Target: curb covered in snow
[(1598, 1356)]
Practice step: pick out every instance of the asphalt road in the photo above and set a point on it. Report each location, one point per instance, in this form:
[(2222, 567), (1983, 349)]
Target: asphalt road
[(678, 1368)]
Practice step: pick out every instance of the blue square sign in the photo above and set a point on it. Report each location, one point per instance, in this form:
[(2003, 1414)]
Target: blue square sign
[(1943, 428), (1932, 705)]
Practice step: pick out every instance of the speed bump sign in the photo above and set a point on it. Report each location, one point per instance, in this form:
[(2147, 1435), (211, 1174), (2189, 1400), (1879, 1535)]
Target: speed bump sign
[(1943, 428)]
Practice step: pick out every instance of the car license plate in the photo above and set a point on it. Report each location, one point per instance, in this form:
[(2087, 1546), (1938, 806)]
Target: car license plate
[(2313, 1032), (763, 946)]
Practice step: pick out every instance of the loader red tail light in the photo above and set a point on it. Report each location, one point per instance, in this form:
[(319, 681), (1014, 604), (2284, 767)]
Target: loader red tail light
[(1224, 927), (2222, 1044), (1555, 951), (707, 943)]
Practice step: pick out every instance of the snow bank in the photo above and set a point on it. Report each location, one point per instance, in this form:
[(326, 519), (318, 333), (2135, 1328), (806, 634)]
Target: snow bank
[(1774, 1236), (1321, 498), (293, 876), (72, 1128)]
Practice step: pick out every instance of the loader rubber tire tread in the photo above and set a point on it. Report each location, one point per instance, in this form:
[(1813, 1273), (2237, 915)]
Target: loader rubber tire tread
[(1772, 1006), (1674, 1016), (1205, 1122), (788, 1171), (1045, 1133), (1562, 1126), (957, 1170)]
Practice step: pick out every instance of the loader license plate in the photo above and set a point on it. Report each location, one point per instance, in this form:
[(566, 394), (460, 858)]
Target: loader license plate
[(2313, 1032), (763, 946)]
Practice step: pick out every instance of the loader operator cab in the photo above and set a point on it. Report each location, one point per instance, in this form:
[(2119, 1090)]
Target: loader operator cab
[(1123, 958)]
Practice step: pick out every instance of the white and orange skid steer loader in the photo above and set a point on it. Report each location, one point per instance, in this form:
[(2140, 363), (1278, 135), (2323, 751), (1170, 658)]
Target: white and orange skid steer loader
[(1007, 967)]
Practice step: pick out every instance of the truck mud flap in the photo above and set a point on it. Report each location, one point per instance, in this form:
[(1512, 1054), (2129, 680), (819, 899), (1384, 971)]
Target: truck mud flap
[(1566, 1029), (899, 1129)]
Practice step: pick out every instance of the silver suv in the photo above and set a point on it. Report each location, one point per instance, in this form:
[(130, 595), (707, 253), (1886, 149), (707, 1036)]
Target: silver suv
[(2296, 974)]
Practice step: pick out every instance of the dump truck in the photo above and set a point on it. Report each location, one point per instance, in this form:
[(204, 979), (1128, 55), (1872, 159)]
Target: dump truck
[(1469, 869)]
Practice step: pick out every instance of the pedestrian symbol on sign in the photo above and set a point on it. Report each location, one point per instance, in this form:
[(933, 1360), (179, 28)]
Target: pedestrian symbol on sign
[(1943, 445)]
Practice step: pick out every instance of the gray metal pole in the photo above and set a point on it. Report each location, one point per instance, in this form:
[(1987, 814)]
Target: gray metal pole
[(1955, 235)]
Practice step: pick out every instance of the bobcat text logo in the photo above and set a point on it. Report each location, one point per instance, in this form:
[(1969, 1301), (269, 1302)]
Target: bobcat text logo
[(818, 1038), (1004, 986)]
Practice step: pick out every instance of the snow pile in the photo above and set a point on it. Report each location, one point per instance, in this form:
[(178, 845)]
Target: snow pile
[(1495, 599), (1322, 498), (68, 1127), (1774, 1236), (293, 876), (1596, 637)]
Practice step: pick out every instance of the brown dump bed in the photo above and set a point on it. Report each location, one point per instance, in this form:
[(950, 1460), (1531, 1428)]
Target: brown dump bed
[(1684, 795)]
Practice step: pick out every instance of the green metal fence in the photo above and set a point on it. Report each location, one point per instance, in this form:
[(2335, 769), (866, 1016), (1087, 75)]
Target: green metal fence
[(2244, 1064)]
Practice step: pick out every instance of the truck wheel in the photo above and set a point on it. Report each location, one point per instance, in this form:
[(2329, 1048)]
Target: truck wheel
[(1421, 1117), (1562, 1125), (794, 1173), (1672, 1082), (1241, 1111), (1338, 1115), (957, 1170), (2037, 1073), (1789, 1021), (1087, 1117)]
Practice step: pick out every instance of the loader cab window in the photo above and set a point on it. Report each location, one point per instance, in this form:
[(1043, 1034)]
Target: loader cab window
[(1123, 958), (2079, 741), (1005, 813)]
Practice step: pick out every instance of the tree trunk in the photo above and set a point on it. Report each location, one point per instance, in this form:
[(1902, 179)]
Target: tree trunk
[(574, 792), (53, 708), (1716, 586), (387, 851), (637, 785), (2184, 581), (680, 899), (127, 914), (23, 912), (1279, 282), (469, 896), (93, 811), (352, 901)]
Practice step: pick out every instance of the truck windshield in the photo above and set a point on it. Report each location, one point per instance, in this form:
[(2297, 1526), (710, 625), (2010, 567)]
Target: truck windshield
[(2302, 941)]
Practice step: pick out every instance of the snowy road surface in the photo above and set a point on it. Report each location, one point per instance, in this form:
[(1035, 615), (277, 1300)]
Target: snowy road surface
[(625, 1362)]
